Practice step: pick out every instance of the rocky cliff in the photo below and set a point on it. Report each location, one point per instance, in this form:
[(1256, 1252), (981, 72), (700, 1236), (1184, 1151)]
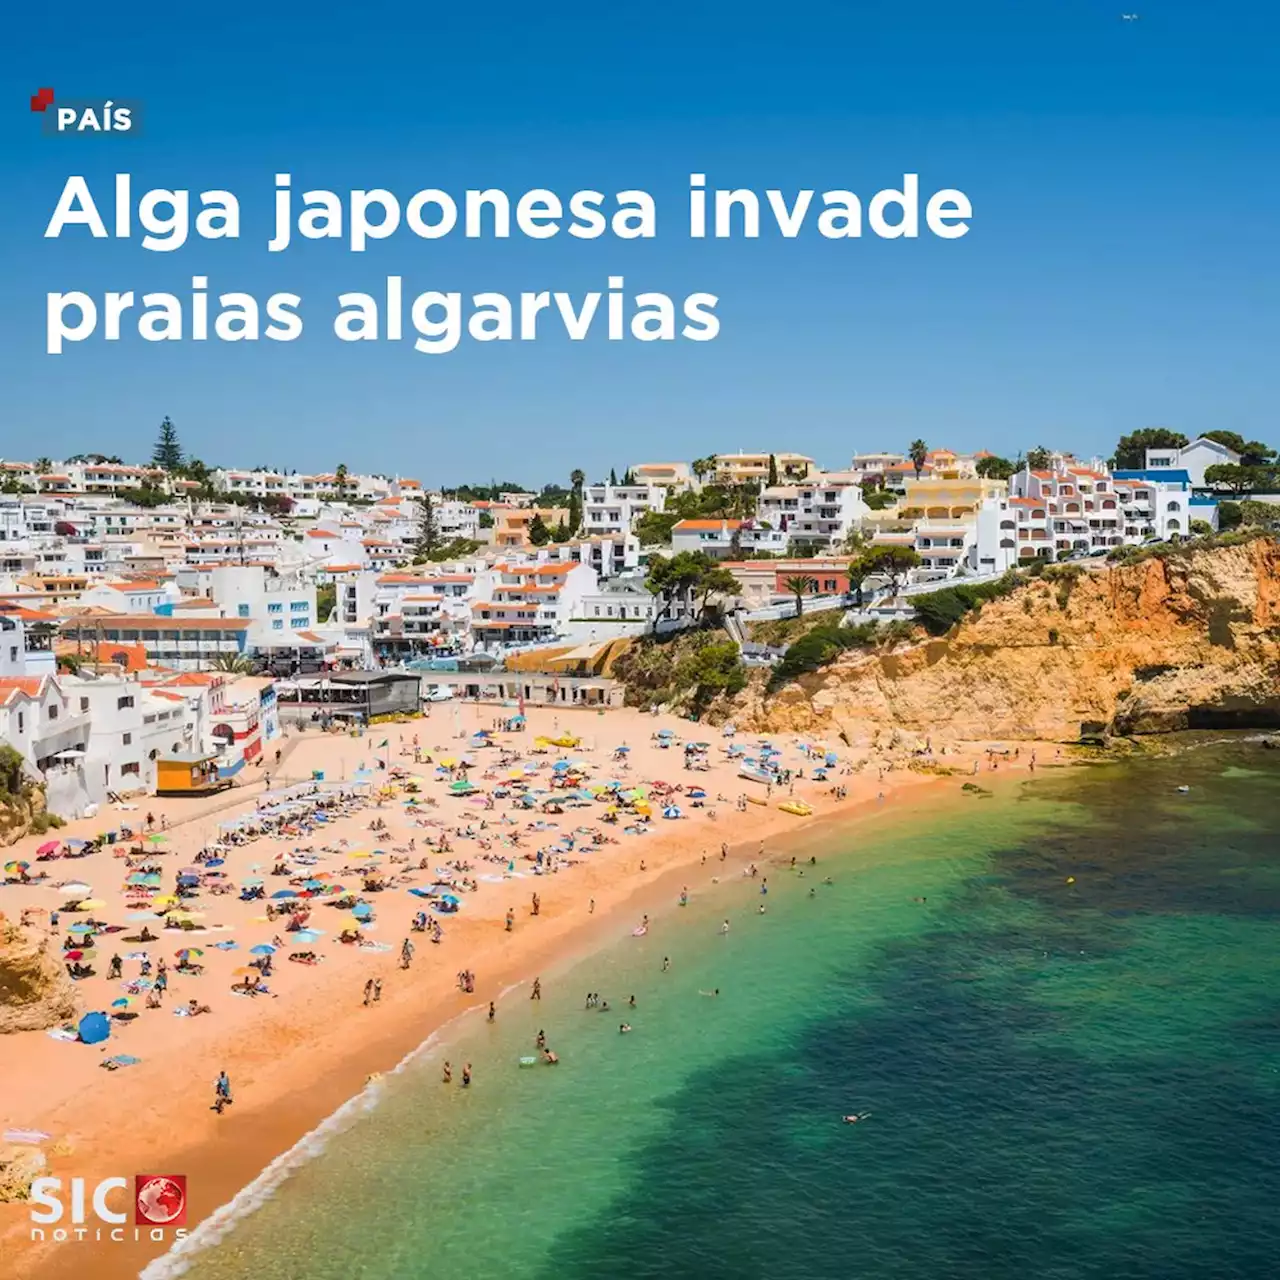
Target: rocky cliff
[(1188, 639), (35, 991)]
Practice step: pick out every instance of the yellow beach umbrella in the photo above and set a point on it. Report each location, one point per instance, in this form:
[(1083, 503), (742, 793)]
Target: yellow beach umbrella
[(91, 904)]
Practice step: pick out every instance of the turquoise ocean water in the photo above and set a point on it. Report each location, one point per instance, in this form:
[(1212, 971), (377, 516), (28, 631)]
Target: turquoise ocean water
[(1065, 1080)]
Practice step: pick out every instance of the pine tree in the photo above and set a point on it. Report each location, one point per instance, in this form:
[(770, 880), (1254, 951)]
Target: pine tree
[(773, 471), (576, 480), (428, 540), (539, 534), (613, 477), (168, 452)]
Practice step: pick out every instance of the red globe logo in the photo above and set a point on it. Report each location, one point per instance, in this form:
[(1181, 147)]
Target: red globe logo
[(160, 1199)]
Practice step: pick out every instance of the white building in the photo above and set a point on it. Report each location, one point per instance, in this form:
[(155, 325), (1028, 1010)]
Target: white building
[(716, 538), (614, 508), (819, 515), (1194, 458)]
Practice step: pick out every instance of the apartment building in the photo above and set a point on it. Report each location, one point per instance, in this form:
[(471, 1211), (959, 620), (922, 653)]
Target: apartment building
[(529, 603), (749, 468), (674, 476), (183, 644), (716, 538), (610, 508), (820, 515)]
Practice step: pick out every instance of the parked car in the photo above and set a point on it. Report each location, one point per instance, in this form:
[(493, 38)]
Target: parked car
[(438, 693)]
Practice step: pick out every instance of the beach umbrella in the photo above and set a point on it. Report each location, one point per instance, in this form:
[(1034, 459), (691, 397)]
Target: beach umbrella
[(94, 1028), (306, 935), (75, 843), (362, 911), (80, 927), (251, 882), (91, 904), (215, 862), (13, 868), (245, 971), (285, 893), (123, 1003), (49, 846), (86, 954), (666, 733), (263, 949), (185, 953), (73, 887)]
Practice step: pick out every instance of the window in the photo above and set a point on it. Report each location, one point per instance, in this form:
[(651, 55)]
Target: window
[(242, 611), (84, 704), (126, 738), (131, 767), (299, 606), (53, 713), (275, 607), (277, 624), (125, 701), (22, 722), (13, 653)]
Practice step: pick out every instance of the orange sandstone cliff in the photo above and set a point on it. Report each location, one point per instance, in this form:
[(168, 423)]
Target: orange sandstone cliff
[(1184, 641)]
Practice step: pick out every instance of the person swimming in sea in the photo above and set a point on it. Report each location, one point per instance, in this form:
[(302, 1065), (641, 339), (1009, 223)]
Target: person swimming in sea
[(542, 1040), (466, 1075), (446, 1076), (861, 1115), (623, 1028), (716, 992)]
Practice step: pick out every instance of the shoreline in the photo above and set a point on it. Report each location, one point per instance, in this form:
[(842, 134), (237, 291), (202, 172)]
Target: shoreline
[(322, 1075)]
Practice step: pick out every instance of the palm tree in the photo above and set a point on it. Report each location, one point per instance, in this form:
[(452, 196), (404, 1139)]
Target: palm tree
[(340, 478), (799, 586), (235, 664), (918, 453), (43, 466)]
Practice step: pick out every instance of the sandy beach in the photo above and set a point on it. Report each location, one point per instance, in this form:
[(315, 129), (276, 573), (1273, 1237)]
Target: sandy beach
[(308, 1042)]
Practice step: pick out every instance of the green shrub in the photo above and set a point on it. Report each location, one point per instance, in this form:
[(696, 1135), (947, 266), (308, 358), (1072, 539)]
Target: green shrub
[(823, 644), (939, 611)]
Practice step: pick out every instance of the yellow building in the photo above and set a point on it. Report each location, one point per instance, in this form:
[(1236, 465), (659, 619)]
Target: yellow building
[(744, 468), (669, 475), (511, 524), (948, 496)]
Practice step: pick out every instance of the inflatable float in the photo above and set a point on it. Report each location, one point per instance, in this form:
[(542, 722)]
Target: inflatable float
[(798, 807)]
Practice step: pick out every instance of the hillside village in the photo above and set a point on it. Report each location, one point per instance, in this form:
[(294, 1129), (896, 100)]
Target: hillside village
[(164, 622)]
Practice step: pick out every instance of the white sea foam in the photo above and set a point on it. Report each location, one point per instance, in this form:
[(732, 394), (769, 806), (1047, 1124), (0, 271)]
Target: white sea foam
[(223, 1220)]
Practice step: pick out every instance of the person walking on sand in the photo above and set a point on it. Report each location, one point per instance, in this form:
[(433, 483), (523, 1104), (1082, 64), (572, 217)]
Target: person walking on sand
[(406, 953), (222, 1092), (493, 1013), (368, 992), (511, 919), (377, 990), (536, 994), (537, 904)]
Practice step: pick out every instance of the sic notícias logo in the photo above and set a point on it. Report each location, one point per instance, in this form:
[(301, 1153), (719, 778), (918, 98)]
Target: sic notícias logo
[(99, 1211), (114, 117)]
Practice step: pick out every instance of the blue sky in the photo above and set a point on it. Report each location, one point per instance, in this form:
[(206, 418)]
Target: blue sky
[(1121, 270)]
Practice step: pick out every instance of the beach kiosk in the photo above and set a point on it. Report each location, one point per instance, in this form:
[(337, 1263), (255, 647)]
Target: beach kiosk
[(189, 773)]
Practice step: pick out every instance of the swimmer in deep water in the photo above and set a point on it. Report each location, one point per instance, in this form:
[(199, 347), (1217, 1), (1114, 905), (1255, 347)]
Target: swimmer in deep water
[(623, 1028), (716, 992), (861, 1115)]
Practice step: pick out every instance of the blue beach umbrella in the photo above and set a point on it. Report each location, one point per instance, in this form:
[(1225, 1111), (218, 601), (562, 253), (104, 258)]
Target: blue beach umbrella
[(285, 893), (94, 1028), (263, 949), (306, 935)]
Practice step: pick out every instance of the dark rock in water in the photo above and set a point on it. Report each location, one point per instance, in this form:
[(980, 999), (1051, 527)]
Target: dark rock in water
[(1270, 744)]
